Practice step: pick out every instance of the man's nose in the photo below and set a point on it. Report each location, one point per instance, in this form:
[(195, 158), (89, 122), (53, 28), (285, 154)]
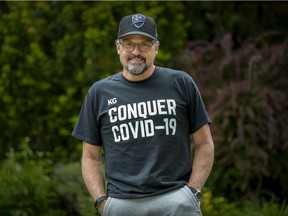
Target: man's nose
[(136, 50)]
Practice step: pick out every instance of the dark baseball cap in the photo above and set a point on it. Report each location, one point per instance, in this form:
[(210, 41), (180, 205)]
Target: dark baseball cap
[(137, 24)]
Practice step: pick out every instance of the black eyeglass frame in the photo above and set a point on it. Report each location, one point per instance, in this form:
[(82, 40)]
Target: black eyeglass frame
[(151, 43)]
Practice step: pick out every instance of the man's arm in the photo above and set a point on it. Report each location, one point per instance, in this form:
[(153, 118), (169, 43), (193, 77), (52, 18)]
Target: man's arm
[(203, 157), (92, 172)]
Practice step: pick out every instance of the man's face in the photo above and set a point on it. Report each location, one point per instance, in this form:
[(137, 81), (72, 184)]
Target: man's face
[(137, 53)]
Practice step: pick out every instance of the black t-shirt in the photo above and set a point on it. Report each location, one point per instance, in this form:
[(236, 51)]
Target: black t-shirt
[(145, 130)]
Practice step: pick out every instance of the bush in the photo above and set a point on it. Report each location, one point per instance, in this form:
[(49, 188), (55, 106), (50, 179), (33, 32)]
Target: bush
[(51, 53), (31, 185), (69, 185), (219, 206), (25, 185), (248, 107)]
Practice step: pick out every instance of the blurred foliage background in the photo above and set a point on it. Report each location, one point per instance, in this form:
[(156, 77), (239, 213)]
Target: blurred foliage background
[(51, 52)]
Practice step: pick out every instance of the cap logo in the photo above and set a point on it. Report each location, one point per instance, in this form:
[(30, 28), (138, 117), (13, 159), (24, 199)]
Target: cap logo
[(138, 20)]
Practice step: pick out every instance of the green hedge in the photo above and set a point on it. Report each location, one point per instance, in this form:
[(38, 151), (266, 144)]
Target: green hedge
[(51, 52), (29, 185)]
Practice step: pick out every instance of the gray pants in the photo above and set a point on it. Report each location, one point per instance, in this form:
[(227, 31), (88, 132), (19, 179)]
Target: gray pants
[(179, 202)]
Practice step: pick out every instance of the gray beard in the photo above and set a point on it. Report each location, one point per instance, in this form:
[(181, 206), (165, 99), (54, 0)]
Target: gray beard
[(136, 69)]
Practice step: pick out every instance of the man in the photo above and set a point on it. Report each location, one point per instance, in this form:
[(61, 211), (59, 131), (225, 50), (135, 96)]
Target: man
[(143, 118)]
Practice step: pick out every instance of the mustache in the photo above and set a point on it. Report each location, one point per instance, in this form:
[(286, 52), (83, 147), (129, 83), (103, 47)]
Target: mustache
[(131, 57)]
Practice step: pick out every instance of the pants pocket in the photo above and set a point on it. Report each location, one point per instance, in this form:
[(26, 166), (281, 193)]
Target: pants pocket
[(107, 205), (191, 195)]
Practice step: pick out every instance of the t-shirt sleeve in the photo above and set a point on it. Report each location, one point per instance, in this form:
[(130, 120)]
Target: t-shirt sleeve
[(198, 115), (87, 127)]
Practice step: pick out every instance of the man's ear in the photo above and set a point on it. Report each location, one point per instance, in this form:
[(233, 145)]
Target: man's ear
[(117, 46), (157, 47)]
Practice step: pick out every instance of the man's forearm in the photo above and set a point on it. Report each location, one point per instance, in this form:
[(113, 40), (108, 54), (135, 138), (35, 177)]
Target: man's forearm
[(93, 177), (202, 165)]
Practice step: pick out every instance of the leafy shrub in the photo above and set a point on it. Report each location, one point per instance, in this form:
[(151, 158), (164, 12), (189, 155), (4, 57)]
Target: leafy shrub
[(51, 53), (219, 206), (31, 185), (249, 112), (25, 185), (69, 185)]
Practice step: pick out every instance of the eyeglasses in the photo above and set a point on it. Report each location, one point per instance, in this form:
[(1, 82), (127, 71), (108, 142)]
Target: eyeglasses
[(143, 46)]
